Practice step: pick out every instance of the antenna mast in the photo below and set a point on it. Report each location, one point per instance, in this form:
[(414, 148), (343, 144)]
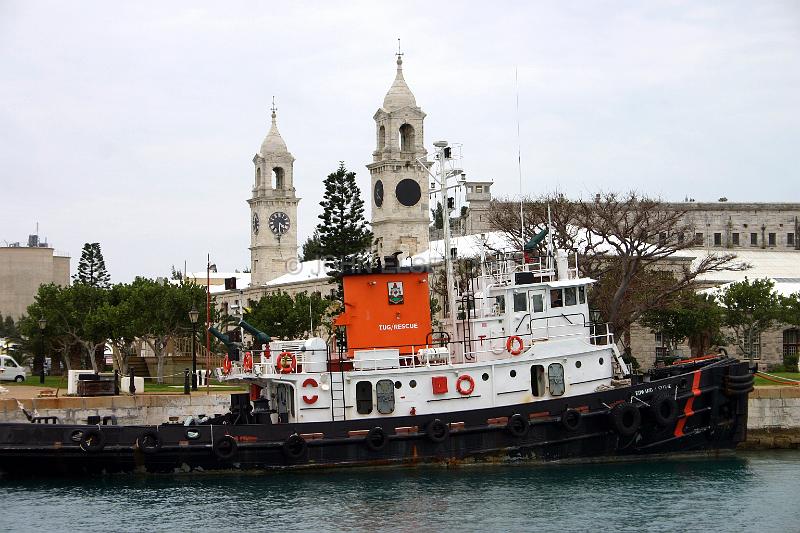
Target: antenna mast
[(519, 167)]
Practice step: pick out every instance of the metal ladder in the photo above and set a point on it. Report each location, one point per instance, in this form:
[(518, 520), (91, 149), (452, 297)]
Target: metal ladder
[(337, 396)]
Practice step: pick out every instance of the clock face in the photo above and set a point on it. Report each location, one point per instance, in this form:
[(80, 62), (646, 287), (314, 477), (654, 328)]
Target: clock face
[(256, 223), (408, 192), (279, 223), (378, 193)]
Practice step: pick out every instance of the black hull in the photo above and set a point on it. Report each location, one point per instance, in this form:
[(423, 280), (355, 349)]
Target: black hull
[(706, 410)]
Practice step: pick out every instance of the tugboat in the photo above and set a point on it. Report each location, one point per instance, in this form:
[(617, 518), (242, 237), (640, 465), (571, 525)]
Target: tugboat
[(520, 372)]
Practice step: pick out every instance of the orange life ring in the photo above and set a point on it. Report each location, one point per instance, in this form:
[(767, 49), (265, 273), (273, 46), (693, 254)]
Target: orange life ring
[(287, 363), (510, 345), (226, 366), (247, 364), (310, 382), (468, 379)]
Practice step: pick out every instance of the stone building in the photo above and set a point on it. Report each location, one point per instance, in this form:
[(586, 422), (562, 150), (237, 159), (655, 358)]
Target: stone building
[(273, 209), (23, 269), (400, 212), (744, 225)]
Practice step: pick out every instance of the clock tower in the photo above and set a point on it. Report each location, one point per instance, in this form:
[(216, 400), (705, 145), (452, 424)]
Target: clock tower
[(273, 209), (400, 213)]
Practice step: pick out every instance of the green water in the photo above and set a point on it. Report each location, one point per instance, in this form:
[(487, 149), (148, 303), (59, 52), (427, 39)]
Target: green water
[(746, 492)]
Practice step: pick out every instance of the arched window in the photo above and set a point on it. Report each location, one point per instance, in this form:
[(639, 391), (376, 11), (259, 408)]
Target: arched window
[(406, 138), (277, 178), (258, 177), (381, 138), (791, 342)]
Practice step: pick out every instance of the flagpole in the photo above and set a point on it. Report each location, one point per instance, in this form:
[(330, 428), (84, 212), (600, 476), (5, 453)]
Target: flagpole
[(208, 323)]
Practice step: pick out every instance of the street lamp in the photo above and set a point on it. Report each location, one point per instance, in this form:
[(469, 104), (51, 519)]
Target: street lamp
[(42, 325), (193, 316)]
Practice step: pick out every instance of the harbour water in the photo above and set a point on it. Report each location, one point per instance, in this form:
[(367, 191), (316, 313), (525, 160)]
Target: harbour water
[(756, 491)]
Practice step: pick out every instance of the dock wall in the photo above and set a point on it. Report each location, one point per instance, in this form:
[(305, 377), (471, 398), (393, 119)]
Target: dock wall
[(147, 409)]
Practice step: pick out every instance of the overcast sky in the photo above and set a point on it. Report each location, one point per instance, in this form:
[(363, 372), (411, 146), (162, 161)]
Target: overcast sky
[(135, 124)]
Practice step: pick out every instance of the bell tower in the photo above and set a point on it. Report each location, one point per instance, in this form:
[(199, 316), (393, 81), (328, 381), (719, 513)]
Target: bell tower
[(273, 209), (400, 214)]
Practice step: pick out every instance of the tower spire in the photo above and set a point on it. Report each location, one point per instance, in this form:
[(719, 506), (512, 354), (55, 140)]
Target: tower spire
[(399, 55), (273, 109)]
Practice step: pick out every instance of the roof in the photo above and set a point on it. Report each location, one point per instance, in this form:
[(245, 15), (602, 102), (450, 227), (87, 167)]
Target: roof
[(763, 264), (314, 270), (399, 94), (273, 142)]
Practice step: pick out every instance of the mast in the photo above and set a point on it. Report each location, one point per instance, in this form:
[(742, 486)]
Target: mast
[(443, 154)]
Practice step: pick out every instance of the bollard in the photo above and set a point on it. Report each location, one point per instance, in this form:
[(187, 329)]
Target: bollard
[(186, 382), (131, 384)]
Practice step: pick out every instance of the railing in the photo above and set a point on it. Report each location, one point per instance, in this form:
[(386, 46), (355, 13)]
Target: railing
[(420, 356)]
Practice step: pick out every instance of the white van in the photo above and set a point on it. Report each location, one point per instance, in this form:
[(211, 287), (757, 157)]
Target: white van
[(10, 370)]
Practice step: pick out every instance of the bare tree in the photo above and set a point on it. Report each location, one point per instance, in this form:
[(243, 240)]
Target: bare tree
[(628, 242)]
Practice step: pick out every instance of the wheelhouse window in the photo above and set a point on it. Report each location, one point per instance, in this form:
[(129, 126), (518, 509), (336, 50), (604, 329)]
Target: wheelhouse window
[(555, 378), (582, 294), (556, 298), (570, 296), (520, 302), (537, 380), (537, 303), (384, 394), (364, 397)]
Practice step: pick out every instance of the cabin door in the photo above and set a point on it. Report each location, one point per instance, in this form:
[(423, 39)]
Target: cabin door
[(538, 314)]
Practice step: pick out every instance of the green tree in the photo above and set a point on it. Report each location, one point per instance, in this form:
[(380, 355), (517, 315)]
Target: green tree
[(344, 236), (92, 267), (312, 248), (158, 312), (750, 309), (282, 316), (691, 316), (438, 216)]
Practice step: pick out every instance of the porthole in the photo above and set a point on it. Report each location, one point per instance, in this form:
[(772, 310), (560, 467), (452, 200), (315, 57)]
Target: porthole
[(513, 373), (577, 364), (485, 377), (601, 360), (397, 384), (412, 383)]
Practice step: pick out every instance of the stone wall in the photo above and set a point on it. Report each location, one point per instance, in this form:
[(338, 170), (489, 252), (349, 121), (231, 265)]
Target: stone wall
[(142, 409)]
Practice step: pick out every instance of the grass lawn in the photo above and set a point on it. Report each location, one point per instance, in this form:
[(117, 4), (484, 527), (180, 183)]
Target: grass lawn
[(150, 386), (790, 375)]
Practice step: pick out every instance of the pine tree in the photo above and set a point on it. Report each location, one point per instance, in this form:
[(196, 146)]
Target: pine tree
[(344, 237), (312, 249), (92, 267)]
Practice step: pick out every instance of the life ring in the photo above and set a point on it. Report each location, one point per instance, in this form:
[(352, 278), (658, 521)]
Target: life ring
[(225, 448), (247, 363), (664, 409), (517, 425), (626, 419), (287, 363), (295, 446), (437, 430), (310, 382), (92, 441), (470, 384), (571, 419), (511, 341), (376, 439), (149, 442), (226, 365)]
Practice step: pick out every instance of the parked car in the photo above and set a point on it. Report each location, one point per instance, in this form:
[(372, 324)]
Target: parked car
[(10, 370)]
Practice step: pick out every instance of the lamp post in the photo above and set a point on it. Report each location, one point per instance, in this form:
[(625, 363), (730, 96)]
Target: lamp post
[(193, 316), (42, 325)]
